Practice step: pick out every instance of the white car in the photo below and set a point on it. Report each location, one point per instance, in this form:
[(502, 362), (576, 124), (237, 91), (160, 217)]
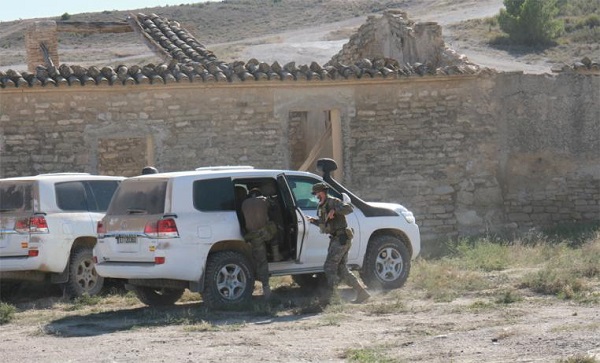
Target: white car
[(48, 229), (171, 231)]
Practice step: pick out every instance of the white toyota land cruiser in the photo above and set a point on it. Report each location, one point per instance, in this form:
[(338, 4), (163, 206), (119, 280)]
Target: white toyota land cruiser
[(48, 229), (171, 231)]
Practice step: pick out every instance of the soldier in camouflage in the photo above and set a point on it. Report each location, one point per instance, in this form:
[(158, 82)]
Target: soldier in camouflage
[(331, 219), (260, 231)]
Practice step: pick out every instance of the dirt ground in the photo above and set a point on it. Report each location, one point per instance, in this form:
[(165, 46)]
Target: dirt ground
[(398, 326)]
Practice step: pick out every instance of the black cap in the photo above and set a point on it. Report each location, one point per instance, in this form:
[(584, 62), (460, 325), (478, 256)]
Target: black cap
[(149, 170), (319, 187)]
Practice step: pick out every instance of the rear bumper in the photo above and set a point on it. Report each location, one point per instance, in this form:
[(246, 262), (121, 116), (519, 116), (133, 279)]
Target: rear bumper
[(183, 269), (22, 276), (23, 263)]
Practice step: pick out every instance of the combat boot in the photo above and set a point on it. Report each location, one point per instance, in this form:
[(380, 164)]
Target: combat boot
[(362, 296)]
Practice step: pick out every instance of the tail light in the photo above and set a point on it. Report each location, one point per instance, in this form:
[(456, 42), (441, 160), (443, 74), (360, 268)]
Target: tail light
[(163, 228), (100, 229), (33, 224)]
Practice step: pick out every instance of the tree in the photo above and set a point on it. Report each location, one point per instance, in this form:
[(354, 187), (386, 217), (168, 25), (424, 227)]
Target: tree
[(530, 22)]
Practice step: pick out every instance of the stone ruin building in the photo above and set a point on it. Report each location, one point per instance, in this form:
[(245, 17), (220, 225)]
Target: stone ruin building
[(470, 150)]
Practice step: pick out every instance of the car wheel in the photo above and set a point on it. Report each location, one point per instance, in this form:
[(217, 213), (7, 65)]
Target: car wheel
[(152, 296), (229, 280), (83, 278), (310, 281), (387, 263)]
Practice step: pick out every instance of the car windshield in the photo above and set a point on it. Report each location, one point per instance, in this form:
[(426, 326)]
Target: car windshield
[(139, 197), (15, 196)]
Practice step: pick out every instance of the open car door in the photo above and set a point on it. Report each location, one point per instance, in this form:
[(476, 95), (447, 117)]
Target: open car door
[(297, 223)]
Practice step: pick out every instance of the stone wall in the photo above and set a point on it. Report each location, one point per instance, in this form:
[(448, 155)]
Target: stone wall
[(468, 154), (394, 35)]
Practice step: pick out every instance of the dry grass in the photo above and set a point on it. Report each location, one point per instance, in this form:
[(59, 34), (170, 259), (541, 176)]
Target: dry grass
[(581, 38)]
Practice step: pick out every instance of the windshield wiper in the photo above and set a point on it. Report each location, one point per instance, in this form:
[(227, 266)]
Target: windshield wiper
[(7, 210), (136, 211)]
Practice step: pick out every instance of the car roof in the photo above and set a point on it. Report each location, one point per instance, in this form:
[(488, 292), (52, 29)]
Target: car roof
[(221, 171), (58, 177)]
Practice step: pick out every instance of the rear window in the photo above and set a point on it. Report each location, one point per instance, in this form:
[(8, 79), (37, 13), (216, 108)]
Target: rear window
[(214, 195), (70, 196), (139, 197), (89, 195), (102, 192), (16, 196)]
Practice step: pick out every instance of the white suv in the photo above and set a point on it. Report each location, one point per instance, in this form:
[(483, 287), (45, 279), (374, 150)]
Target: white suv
[(48, 229), (171, 231)]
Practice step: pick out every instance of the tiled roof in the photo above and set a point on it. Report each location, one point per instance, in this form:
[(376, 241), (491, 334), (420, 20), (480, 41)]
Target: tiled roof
[(169, 40), (187, 60), (218, 71)]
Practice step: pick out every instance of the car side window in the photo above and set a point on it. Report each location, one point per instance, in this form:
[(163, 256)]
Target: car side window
[(302, 190), (213, 195), (71, 196)]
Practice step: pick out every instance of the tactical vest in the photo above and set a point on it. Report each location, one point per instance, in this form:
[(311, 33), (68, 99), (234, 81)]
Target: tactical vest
[(338, 223)]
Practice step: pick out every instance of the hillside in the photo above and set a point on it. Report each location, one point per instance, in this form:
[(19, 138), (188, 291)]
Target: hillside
[(301, 31)]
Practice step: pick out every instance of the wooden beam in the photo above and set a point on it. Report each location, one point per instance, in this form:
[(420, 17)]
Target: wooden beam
[(93, 27), (316, 150), (46, 54), (336, 140)]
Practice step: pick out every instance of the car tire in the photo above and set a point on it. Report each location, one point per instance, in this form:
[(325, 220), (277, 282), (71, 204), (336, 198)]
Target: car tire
[(153, 296), (229, 280), (387, 263), (83, 278), (310, 281)]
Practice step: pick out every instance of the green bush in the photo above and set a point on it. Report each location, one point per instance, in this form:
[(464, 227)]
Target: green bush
[(550, 281), (65, 16), (7, 312), (579, 358), (530, 22), (485, 255), (578, 7), (592, 21), (367, 355), (83, 301), (566, 270)]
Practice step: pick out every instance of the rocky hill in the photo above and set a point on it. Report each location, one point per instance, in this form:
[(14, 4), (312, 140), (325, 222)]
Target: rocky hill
[(281, 30)]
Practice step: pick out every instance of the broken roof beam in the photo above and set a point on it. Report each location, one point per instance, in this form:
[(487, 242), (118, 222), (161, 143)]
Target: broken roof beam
[(93, 27)]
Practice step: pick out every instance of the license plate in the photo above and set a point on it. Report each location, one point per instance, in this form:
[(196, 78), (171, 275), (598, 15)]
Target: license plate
[(126, 239)]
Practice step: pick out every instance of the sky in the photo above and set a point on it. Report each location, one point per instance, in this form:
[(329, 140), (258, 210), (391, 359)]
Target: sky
[(50, 8)]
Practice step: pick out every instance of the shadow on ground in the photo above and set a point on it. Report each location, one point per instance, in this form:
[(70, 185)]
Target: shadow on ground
[(286, 304)]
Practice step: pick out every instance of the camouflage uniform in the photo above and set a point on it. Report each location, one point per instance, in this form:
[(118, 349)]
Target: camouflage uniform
[(260, 231), (340, 236)]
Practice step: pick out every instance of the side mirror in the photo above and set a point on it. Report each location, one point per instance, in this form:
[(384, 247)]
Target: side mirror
[(346, 199)]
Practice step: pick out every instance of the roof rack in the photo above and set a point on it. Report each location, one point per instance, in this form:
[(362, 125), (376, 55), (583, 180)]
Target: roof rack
[(66, 173), (225, 167)]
